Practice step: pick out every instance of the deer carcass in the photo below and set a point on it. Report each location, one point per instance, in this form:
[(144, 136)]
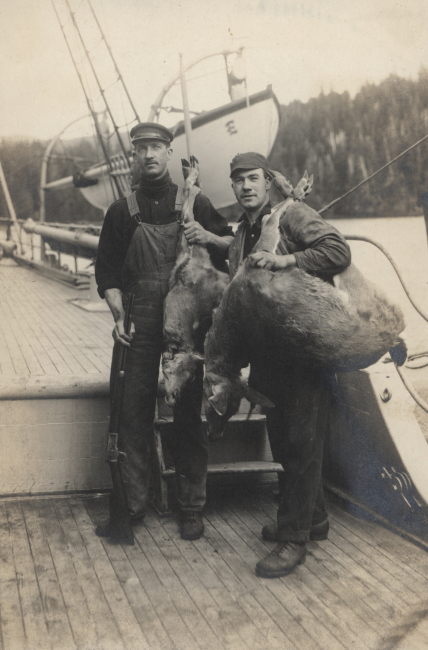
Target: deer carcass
[(195, 289), (275, 319)]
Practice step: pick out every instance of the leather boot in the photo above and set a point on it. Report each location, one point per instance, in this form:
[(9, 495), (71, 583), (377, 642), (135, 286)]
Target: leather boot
[(114, 538), (282, 560), (191, 524), (317, 534), (105, 530)]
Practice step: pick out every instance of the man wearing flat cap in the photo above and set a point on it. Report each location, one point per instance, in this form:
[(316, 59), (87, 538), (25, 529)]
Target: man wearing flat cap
[(301, 394), (136, 254)]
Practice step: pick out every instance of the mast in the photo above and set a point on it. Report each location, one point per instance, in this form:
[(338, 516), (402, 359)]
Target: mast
[(119, 79), (119, 75), (187, 121)]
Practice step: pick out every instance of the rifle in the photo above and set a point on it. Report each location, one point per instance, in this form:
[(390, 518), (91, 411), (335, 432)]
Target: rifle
[(120, 528)]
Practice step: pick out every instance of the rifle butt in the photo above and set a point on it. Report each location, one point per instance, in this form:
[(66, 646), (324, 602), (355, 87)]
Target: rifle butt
[(119, 520)]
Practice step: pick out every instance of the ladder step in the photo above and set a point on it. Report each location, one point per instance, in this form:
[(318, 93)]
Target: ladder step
[(239, 417), (236, 468)]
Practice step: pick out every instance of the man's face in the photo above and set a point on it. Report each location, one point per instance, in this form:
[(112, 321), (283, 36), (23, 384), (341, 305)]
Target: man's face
[(153, 156), (250, 187)]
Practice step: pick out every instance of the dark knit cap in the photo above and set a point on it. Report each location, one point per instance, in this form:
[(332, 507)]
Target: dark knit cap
[(249, 160)]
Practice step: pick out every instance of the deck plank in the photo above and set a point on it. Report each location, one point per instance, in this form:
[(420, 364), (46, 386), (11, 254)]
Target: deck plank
[(305, 586), (140, 593), (353, 617), (161, 599), (72, 593), (280, 589), (391, 572), (86, 577), (185, 606), (54, 606), (206, 560), (6, 364), (197, 582), (46, 334), (43, 358), (15, 324), (240, 581), (130, 631), (356, 599), (206, 589), (34, 616), (12, 630), (15, 352), (395, 548), (63, 588), (379, 597)]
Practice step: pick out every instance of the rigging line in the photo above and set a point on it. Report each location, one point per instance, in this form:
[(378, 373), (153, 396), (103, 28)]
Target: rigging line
[(111, 85), (114, 62), (418, 308), (92, 112), (122, 126), (94, 47), (330, 205), (411, 389), (200, 76), (122, 146), (78, 7)]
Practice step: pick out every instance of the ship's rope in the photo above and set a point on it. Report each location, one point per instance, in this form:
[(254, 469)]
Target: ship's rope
[(421, 311), (369, 178), (407, 383)]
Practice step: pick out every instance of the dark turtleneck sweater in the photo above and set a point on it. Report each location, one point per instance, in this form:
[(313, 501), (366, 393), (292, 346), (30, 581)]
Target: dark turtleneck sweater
[(156, 200)]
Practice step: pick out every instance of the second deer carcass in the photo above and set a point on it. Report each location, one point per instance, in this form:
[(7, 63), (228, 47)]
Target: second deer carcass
[(275, 319), (195, 290)]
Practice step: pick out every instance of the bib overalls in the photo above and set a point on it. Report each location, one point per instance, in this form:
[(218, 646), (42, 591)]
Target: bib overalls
[(150, 258)]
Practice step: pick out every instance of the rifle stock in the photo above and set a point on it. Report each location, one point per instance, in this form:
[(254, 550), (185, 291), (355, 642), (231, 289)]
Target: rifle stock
[(120, 521)]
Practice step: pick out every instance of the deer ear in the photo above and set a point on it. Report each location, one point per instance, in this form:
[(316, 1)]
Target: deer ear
[(219, 402), (255, 397)]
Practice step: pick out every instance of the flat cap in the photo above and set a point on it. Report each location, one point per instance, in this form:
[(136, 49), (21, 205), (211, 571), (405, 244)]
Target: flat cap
[(151, 131), (249, 160)]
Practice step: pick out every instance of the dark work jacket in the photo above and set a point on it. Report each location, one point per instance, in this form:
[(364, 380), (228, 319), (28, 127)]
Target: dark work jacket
[(318, 247), (156, 200)]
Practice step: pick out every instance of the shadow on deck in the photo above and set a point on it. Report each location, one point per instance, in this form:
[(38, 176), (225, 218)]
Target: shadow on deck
[(63, 588)]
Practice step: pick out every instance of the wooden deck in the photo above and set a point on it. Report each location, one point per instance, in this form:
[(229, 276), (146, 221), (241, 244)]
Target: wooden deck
[(42, 333), (63, 588)]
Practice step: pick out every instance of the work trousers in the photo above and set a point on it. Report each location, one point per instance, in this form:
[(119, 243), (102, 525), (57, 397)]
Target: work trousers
[(296, 429), (136, 431)]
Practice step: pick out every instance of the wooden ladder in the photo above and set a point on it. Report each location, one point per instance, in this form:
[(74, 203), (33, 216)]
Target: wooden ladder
[(243, 449)]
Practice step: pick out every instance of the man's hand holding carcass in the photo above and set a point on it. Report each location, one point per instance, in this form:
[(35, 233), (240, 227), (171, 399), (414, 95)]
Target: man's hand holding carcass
[(270, 261), (196, 234)]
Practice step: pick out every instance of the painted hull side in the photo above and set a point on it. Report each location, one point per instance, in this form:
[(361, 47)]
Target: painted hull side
[(375, 450), (214, 144)]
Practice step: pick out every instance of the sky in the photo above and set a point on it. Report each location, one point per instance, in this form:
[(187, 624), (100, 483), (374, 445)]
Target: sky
[(301, 47)]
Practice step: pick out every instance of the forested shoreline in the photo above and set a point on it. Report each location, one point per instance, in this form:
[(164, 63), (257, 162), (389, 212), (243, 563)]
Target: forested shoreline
[(339, 140)]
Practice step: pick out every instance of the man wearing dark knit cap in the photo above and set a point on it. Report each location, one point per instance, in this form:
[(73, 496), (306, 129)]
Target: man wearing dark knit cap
[(136, 255), (301, 394)]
